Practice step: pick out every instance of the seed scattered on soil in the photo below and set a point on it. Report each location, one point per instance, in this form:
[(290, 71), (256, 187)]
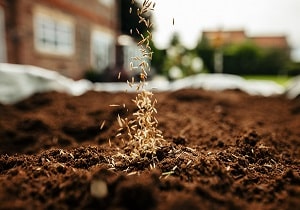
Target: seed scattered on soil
[(256, 164)]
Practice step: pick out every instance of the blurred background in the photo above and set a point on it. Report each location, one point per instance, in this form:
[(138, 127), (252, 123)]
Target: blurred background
[(92, 39)]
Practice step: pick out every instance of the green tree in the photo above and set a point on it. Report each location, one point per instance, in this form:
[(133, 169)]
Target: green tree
[(206, 52), (179, 61), (241, 58), (248, 58), (274, 61), (158, 58)]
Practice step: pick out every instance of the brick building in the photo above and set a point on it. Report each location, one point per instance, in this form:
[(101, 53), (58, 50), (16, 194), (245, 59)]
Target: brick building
[(68, 36), (279, 42), (218, 38)]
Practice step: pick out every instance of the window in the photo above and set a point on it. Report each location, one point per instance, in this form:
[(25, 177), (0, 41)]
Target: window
[(131, 51), (103, 51), (53, 35)]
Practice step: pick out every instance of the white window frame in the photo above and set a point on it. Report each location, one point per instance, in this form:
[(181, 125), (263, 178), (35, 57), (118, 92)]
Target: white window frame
[(107, 2), (54, 34), (130, 52), (3, 57), (102, 51)]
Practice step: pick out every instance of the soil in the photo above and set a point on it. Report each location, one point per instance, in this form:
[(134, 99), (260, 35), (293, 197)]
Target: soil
[(223, 150)]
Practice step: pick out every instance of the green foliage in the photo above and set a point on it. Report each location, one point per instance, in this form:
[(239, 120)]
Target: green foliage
[(158, 58), (273, 62), (180, 62), (206, 52), (244, 58), (241, 58), (293, 68), (248, 58)]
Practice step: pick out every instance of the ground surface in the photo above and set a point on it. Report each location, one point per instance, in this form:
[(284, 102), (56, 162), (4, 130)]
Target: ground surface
[(223, 150)]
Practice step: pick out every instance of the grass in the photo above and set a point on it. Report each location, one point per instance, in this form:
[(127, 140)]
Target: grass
[(281, 80)]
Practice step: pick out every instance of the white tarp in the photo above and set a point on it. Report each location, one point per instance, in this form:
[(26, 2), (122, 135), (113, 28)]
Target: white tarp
[(293, 88), (18, 82)]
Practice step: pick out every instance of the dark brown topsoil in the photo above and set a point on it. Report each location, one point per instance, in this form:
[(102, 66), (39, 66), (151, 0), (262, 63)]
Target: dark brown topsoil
[(224, 150)]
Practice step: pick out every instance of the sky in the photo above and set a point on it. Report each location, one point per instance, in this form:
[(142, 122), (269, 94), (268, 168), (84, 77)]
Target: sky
[(256, 17)]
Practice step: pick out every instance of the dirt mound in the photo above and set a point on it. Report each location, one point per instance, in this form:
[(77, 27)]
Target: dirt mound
[(224, 150)]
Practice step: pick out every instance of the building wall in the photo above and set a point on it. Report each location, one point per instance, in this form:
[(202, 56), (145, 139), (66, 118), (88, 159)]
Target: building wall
[(2, 35), (219, 37), (85, 17), (10, 30)]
